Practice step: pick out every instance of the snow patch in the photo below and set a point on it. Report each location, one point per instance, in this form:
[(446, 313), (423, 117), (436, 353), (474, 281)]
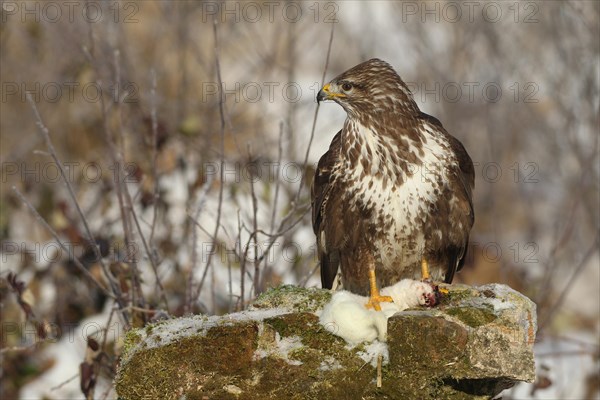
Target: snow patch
[(372, 351), (329, 364), (283, 348), (173, 330)]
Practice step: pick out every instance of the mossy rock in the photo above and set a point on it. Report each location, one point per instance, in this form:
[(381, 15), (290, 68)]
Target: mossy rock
[(292, 298), (477, 342)]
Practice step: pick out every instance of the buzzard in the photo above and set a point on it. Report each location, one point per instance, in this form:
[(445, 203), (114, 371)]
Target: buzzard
[(391, 198)]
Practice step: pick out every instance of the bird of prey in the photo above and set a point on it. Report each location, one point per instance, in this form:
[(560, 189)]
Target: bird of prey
[(391, 198)]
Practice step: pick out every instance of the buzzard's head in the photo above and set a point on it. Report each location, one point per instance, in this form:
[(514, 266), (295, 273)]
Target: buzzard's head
[(370, 87)]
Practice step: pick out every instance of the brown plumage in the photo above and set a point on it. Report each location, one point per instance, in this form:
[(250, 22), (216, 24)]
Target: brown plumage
[(394, 188)]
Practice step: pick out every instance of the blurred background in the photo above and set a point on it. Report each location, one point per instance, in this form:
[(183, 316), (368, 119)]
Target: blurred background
[(187, 134)]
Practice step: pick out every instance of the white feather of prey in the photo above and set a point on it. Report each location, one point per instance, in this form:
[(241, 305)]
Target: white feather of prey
[(346, 315)]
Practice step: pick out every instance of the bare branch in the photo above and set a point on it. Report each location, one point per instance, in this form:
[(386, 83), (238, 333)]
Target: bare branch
[(154, 122), (46, 136), (277, 178), (121, 185), (222, 156), (190, 278), (314, 124), (559, 301), (76, 261), (240, 303), (257, 288)]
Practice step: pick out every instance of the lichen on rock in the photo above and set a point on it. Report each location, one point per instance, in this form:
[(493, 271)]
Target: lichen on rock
[(474, 344)]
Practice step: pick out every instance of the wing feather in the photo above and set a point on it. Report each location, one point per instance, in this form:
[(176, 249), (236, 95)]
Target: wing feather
[(321, 191), (464, 181)]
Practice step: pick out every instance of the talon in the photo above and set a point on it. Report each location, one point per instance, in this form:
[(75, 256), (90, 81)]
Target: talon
[(375, 297), (374, 301)]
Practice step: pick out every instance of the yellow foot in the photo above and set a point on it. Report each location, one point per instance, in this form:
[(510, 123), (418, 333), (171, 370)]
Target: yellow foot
[(374, 301), (426, 277), (375, 297)]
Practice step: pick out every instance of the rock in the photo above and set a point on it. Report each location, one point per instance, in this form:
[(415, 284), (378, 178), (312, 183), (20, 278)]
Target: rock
[(479, 342), (476, 343)]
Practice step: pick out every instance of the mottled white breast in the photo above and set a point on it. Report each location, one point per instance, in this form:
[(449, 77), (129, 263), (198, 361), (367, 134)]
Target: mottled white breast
[(399, 190)]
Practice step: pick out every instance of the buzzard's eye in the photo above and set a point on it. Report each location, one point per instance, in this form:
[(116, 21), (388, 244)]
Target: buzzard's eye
[(347, 86)]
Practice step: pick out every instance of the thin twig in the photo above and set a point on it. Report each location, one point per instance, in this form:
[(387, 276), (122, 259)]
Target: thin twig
[(222, 155), (149, 252), (90, 237), (64, 383), (314, 124), (257, 288), (127, 209), (229, 286), (303, 211), (242, 264), (277, 178), (105, 338), (279, 234), (291, 63), (578, 198), (190, 278), (154, 122), (76, 261), (304, 281), (284, 227), (558, 303), (89, 53), (379, 374)]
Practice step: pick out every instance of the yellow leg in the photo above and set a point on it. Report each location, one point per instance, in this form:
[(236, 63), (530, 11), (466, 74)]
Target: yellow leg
[(375, 297), (426, 276)]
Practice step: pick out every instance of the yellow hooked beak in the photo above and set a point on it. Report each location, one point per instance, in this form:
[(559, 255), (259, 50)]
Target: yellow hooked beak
[(327, 94)]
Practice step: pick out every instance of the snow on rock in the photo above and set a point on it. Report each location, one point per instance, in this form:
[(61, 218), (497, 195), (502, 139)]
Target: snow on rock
[(169, 331), (477, 340), (282, 349), (372, 352)]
